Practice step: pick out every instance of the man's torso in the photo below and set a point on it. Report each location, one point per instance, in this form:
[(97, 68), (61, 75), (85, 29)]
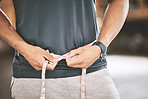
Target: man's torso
[(56, 25)]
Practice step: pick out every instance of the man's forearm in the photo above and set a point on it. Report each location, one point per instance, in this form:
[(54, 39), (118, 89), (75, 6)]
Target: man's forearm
[(113, 21), (9, 35)]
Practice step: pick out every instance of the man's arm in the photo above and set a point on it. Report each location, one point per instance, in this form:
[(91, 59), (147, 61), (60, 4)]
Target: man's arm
[(8, 7), (113, 21), (33, 54)]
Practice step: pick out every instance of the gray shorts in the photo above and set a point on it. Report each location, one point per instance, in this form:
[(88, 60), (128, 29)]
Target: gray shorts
[(99, 85)]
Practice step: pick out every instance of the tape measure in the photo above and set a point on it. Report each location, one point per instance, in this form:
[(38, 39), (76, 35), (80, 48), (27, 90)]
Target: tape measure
[(60, 57)]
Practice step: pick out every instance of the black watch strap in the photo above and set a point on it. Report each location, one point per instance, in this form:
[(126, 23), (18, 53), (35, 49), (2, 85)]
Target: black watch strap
[(102, 46)]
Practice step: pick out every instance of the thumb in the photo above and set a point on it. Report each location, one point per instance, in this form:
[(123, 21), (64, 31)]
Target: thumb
[(48, 56)]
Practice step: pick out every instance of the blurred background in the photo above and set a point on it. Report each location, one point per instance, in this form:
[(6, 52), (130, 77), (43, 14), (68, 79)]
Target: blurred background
[(127, 54)]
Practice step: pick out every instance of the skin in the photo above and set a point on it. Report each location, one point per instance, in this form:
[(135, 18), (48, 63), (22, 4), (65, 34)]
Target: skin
[(36, 55), (113, 21)]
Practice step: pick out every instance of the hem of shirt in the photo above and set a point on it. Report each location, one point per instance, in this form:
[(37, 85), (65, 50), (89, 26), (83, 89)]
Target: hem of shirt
[(56, 73)]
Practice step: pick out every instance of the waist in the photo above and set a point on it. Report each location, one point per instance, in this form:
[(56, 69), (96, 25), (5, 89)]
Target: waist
[(22, 68), (61, 70)]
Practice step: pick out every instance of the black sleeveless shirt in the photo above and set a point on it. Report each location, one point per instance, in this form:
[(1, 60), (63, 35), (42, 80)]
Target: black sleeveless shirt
[(56, 25)]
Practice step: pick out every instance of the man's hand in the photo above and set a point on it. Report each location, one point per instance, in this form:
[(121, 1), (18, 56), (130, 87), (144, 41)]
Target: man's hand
[(83, 57), (36, 57)]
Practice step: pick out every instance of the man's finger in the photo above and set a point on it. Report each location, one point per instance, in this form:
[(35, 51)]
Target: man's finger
[(75, 61), (38, 68), (51, 66), (47, 51), (48, 57), (72, 53)]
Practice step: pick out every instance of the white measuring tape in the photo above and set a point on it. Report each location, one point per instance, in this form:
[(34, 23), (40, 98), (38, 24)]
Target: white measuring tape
[(43, 80), (60, 57)]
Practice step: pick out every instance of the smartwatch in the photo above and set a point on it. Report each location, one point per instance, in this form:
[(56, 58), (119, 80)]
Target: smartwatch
[(102, 46)]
